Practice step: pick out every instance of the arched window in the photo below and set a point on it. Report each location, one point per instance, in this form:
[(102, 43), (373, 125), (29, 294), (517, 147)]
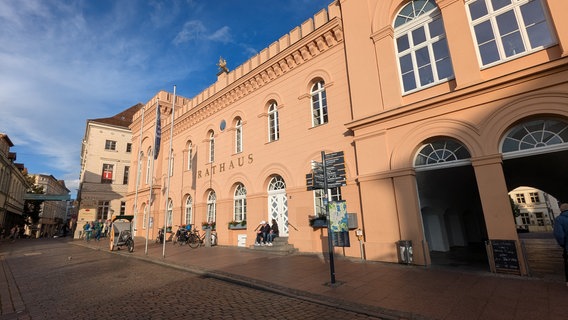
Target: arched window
[(171, 163), (240, 203), (238, 135), (211, 146), (504, 30), (536, 133), (422, 49), (276, 183), (189, 155), (139, 169), (148, 165), (440, 151), (211, 206), (170, 215), (273, 128), (188, 210), (319, 104)]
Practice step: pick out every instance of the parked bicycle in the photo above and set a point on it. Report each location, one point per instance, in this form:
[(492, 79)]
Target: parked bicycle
[(181, 236), (160, 237), (196, 239)]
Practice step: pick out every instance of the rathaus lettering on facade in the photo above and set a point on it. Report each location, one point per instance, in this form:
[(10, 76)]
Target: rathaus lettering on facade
[(239, 162)]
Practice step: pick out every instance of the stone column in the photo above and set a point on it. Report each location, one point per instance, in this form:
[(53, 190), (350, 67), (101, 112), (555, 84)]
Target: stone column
[(495, 202)]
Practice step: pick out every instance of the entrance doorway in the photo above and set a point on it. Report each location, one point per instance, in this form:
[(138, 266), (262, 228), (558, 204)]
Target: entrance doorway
[(452, 214), (452, 217), (278, 204), (535, 153)]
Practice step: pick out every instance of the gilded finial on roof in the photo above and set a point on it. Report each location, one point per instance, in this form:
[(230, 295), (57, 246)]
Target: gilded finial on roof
[(222, 64)]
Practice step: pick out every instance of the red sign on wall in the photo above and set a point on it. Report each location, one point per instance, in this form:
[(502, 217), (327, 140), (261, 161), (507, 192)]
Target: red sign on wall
[(107, 175)]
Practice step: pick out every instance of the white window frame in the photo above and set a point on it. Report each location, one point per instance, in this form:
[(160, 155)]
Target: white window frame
[(189, 155), (149, 165), (240, 203), (333, 194), (107, 167), (421, 20), (520, 197), (493, 15), (110, 145), (139, 169), (535, 197), (238, 135), (188, 210), (103, 210), (170, 213), (273, 125), (211, 206), (211, 146), (319, 104)]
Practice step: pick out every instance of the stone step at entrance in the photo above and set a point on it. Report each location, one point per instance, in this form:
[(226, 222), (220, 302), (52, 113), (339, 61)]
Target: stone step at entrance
[(280, 245)]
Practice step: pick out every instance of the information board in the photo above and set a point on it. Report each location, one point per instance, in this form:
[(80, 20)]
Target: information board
[(504, 256)]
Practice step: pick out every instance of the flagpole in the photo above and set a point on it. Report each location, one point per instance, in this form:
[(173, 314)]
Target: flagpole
[(138, 171), (170, 164), (156, 150)]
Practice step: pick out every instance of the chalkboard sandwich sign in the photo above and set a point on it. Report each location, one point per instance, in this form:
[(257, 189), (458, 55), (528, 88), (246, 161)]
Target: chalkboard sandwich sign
[(503, 256)]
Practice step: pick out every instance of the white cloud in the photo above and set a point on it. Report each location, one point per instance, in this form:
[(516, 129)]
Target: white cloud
[(191, 30), (196, 30), (221, 35)]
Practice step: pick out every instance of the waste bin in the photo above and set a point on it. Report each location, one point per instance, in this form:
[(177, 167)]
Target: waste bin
[(404, 251)]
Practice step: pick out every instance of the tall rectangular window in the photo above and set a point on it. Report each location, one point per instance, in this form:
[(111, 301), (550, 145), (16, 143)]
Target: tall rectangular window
[(238, 136), (107, 173), (122, 208), (110, 145), (126, 173), (273, 123), (319, 104), (103, 208), (129, 147), (334, 194), (211, 146), (520, 198), (534, 197)]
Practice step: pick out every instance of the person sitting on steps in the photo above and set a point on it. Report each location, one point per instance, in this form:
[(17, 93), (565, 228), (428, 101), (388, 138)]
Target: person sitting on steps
[(262, 233), (273, 233)]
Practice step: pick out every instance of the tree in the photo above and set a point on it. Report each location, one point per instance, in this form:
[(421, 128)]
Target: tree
[(32, 208), (515, 208)]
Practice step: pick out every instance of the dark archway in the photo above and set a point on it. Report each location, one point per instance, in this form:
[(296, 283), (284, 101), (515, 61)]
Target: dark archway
[(452, 215)]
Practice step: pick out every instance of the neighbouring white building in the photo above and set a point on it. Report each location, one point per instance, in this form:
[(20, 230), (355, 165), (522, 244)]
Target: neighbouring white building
[(105, 165), (537, 209), (53, 213)]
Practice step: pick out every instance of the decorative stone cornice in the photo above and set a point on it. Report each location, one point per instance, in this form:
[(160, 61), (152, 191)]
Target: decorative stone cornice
[(305, 49)]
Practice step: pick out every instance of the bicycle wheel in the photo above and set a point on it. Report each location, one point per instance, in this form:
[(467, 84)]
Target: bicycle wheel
[(194, 241)]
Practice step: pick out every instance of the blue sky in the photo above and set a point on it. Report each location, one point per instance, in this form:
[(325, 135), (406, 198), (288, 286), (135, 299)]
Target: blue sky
[(65, 61)]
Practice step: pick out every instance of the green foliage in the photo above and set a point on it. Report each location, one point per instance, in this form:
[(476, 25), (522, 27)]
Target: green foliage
[(515, 208), (32, 208)]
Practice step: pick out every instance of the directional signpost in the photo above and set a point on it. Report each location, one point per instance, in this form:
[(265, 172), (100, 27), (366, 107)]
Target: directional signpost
[(334, 165), (329, 173)]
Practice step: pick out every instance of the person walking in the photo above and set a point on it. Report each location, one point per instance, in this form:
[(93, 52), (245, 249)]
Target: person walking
[(561, 235), (98, 228), (87, 230)]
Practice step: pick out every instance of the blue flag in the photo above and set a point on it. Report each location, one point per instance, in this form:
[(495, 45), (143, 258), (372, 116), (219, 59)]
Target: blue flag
[(158, 133)]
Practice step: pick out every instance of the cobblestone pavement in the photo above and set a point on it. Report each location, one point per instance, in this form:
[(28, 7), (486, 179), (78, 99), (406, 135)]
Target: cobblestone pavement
[(50, 279)]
